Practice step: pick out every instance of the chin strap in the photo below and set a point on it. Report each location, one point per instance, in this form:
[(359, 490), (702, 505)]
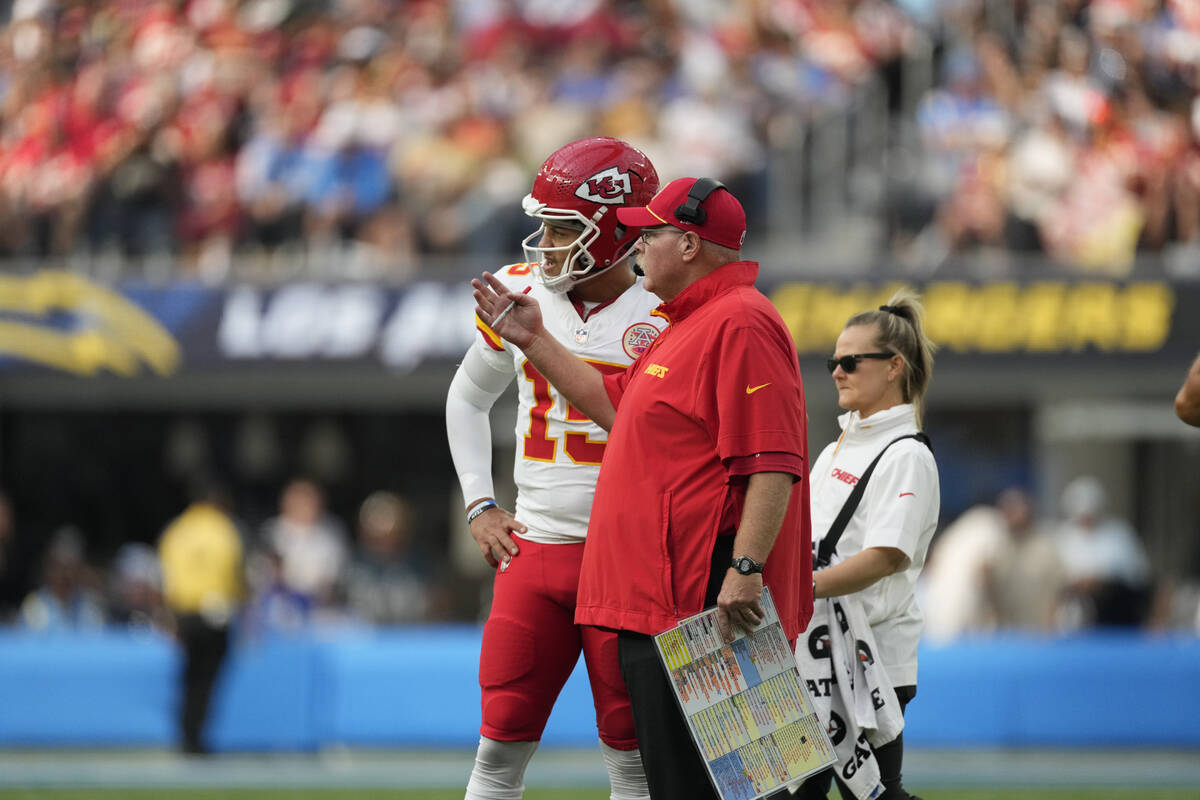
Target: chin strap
[(602, 270)]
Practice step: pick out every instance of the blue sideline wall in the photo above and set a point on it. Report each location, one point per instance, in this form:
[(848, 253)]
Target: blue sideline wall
[(417, 687)]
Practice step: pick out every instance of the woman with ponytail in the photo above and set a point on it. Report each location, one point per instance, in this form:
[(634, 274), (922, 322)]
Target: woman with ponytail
[(875, 502)]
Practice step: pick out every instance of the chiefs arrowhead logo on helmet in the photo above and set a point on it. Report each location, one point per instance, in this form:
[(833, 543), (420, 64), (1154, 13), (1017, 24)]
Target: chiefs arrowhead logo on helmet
[(609, 186)]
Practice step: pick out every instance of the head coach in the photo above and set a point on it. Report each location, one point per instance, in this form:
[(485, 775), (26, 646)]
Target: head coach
[(700, 498)]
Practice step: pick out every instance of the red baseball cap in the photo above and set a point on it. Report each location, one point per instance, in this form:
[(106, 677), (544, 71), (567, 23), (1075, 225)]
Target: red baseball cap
[(724, 219)]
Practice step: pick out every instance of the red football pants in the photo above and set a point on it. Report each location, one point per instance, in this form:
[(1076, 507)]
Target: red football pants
[(531, 644)]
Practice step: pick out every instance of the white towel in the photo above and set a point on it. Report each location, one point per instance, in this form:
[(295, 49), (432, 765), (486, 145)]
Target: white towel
[(850, 690)]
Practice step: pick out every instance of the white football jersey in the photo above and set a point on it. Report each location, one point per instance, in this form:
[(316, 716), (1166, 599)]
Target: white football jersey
[(559, 449)]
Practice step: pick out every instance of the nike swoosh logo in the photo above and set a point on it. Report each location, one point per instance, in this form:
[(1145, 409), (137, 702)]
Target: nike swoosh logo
[(907, 494), (753, 389)]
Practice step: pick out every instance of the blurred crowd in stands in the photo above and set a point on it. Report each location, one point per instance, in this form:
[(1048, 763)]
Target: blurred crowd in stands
[(368, 137), (300, 570), (1069, 129), (381, 130), (997, 567)]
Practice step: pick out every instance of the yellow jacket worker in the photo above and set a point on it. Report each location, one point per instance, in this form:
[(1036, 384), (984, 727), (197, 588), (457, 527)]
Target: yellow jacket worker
[(201, 553)]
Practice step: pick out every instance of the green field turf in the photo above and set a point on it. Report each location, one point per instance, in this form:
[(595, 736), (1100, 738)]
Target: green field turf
[(545, 794)]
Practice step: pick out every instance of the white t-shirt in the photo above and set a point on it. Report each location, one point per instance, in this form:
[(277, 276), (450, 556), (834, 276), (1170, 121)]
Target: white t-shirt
[(899, 509), (559, 450)]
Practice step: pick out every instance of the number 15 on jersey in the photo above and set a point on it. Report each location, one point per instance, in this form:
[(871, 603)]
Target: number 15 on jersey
[(541, 443)]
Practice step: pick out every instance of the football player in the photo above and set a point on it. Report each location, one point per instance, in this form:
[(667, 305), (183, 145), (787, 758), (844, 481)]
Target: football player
[(577, 265)]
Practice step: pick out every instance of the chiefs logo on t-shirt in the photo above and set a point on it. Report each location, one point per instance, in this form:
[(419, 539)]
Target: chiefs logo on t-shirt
[(607, 186)]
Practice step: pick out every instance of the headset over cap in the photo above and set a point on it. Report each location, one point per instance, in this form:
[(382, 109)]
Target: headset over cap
[(580, 186)]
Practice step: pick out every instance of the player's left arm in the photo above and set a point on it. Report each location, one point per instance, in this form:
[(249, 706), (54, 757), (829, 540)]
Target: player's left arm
[(766, 504), (1187, 402)]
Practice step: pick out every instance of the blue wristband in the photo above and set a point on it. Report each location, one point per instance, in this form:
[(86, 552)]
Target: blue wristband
[(479, 509)]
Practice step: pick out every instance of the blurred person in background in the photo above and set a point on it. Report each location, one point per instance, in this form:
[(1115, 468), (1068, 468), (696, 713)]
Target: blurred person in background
[(209, 218), (1027, 578), (388, 584), (1108, 580), (995, 567), (882, 365), (271, 167), (954, 589), (964, 129), (273, 607), (1098, 220), (66, 599), (1187, 402), (961, 125), (135, 590), (311, 543), (201, 555), (577, 265), (1040, 168)]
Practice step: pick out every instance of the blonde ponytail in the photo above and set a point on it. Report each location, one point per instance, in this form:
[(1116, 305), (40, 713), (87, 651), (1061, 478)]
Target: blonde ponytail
[(901, 326)]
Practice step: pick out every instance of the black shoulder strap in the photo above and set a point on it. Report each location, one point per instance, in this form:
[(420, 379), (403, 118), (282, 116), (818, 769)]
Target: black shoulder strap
[(829, 544)]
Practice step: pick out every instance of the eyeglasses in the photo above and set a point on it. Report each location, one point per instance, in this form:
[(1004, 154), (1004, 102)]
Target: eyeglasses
[(649, 233), (850, 363)]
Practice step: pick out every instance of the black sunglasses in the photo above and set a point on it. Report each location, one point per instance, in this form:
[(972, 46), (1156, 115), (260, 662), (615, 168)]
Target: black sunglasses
[(850, 363)]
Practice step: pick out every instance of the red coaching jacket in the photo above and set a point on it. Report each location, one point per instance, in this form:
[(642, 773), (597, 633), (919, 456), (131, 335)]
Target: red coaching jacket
[(718, 388)]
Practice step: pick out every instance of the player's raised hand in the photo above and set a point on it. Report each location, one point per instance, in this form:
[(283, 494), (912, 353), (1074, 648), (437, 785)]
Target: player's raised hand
[(491, 530), (514, 315)]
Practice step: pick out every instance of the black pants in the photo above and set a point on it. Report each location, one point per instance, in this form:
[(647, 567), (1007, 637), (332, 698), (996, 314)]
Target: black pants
[(889, 758), (204, 648), (674, 768)]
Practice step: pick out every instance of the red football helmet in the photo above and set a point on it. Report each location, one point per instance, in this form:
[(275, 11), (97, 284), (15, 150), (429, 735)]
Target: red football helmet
[(580, 186)]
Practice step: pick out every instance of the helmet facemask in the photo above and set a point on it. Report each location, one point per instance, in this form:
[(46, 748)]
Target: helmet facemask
[(578, 263)]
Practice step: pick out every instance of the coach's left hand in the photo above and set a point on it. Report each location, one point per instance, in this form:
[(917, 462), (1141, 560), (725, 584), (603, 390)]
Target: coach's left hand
[(739, 604)]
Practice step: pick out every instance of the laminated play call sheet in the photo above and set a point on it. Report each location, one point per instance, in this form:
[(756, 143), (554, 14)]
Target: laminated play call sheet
[(745, 704)]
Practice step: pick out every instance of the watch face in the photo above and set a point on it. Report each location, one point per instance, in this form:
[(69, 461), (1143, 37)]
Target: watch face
[(746, 565)]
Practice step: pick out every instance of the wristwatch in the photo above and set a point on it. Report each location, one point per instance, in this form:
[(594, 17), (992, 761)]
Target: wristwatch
[(745, 565)]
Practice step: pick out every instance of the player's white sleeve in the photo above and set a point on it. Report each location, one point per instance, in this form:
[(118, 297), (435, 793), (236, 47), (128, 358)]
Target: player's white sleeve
[(476, 386)]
